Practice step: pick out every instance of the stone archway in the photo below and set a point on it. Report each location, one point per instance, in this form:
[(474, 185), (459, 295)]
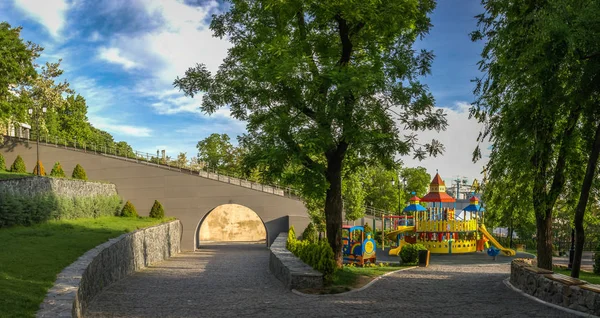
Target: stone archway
[(231, 223)]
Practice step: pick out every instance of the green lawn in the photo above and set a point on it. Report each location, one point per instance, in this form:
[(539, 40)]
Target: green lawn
[(587, 276), (31, 257), (12, 175)]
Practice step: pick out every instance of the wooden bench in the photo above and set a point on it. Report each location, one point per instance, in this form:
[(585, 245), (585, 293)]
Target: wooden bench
[(537, 270), (567, 280), (591, 287)]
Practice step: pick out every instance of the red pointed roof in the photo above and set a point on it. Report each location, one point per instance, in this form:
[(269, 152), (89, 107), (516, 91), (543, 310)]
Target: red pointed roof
[(437, 197), (414, 198), (473, 199), (437, 180)]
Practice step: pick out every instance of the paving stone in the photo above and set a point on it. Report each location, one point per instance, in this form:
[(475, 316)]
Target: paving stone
[(232, 280)]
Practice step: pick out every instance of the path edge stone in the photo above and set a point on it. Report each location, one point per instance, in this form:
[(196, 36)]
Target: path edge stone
[(289, 269), (107, 263)]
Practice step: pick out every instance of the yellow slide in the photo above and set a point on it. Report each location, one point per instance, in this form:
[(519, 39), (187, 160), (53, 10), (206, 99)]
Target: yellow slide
[(392, 235), (505, 251)]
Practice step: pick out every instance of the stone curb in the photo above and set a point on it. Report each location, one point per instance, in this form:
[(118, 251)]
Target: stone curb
[(567, 310), (77, 284), (369, 284)]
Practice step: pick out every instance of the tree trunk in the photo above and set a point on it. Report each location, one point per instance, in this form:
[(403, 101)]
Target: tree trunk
[(544, 239), (582, 204), (334, 206)]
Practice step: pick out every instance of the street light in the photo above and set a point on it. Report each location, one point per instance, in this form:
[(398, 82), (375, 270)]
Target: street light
[(37, 122), (399, 191)]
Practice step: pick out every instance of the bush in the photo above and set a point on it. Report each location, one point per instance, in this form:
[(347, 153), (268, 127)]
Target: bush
[(129, 210), (368, 229), (42, 170), (410, 253), (318, 255), (28, 210), (597, 263), (2, 163), (57, 171), (18, 165), (79, 173), (310, 233), (157, 211)]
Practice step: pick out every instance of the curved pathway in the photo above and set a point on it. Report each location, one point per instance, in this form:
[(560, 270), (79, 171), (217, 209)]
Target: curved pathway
[(232, 280)]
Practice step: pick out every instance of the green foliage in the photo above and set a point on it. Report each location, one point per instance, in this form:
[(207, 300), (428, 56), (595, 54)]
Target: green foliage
[(315, 81), (28, 210), (597, 262), (216, 151), (291, 239), (410, 253), (354, 196), (157, 211), (310, 233), (56, 245), (42, 170), (18, 165), (57, 171), (129, 210), (318, 255), (79, 173), (2, 163), (368, 229)]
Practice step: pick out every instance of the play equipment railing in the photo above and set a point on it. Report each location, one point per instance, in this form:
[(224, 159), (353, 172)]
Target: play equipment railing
[(446, 226)]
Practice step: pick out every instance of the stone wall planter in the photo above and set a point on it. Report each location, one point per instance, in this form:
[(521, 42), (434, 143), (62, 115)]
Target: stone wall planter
[(555, 288), (71, 188), (289, 269), (107, 263)]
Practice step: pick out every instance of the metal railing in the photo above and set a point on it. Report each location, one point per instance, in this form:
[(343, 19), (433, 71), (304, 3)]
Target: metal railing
[(146, 158)]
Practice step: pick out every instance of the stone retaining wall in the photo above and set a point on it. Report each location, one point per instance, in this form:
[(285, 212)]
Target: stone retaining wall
[(31, 186), (555, 288), (289, 269), (107, 263)]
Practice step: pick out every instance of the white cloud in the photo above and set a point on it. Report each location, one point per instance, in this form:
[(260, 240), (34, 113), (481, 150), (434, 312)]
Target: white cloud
[(112, 127), (95, 37), (115, 56), (49, 13), (459, 139)]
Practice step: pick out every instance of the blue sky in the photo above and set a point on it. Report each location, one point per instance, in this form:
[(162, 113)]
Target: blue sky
[(123, 56)]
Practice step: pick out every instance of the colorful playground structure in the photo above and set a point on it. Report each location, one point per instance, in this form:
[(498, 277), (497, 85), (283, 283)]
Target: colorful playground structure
[(357, 246), (439, 228)]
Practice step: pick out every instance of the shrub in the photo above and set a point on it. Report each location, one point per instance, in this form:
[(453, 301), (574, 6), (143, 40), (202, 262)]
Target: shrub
[(597, 263), (410, 253), (79, 173), (129, 210), (2, 163), (318, 255), (57, 171), (42, 170), (310, 233), (18, 165), (28, 210), (368, 229), (157, 211)]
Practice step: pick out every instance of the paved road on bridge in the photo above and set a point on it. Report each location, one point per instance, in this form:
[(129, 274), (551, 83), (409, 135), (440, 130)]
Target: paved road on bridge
[(232, 280)]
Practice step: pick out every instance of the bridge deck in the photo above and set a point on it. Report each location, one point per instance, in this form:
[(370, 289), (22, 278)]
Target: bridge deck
[(232, 280)]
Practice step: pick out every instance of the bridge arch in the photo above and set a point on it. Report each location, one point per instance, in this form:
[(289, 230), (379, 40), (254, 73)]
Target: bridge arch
[(231, 223)]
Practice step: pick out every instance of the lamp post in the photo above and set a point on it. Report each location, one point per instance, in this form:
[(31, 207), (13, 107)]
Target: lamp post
[(572, 250), (399, 190), (37, 123)]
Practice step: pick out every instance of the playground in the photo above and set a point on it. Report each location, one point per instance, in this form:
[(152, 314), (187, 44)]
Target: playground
[(449, 235)]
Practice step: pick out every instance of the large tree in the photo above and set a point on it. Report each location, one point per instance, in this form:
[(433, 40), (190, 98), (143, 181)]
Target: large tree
[(319, 82), (539, 100), (16, 65), (216, 151)]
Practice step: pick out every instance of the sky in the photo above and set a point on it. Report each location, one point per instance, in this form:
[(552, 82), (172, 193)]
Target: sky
[(122, 57)]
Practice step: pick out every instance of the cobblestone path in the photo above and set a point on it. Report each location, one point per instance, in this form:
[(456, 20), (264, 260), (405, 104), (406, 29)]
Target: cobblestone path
[(232, 280)]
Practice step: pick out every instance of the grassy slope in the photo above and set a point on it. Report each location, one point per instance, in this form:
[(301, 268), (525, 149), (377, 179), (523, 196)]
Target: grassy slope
[(10, 175), (351, 277), (31, 257)]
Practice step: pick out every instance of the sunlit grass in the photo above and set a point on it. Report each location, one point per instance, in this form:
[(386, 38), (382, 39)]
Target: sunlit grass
[(31, 257), (4, 175), (587, 276)]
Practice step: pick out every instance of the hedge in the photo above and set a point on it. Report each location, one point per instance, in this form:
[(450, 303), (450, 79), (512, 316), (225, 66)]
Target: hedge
[(79, 173), (2, 163), (57, 171), (42, 170), (129, 210), (28, 210), (410, 253), (18, 165), (310, 233), (318, 255), (157, 211)]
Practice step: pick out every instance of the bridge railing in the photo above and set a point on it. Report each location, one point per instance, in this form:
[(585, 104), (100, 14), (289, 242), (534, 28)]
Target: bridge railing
[(146, 158)]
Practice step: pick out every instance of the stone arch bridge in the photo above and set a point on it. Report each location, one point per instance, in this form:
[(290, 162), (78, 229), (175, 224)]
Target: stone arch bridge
[(187, 195)]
